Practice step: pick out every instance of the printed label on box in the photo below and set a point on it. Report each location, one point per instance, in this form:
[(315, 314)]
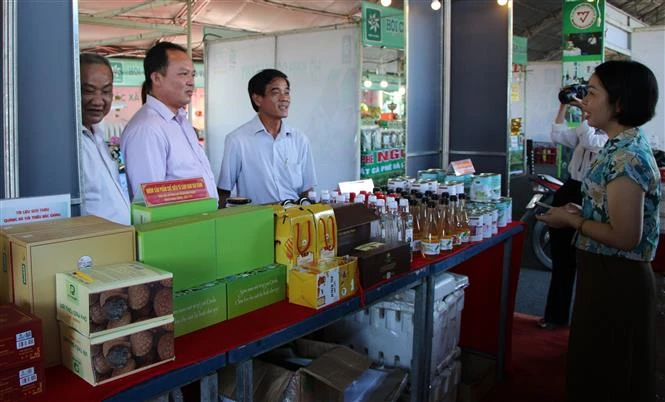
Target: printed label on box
[(328, 287)]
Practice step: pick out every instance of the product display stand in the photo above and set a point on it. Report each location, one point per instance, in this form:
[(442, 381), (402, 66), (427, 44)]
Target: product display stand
[(491, 265)]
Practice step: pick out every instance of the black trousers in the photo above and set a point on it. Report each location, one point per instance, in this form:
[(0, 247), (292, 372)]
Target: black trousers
[(557, 310)]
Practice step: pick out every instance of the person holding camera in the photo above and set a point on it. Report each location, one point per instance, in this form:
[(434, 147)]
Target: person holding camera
[(586, 142), (612, 342)]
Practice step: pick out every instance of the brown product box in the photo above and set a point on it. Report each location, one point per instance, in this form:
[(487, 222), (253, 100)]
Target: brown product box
[(104, 298), (20, 337), (6, 291), (20, 383), (378, 261), (104, 358), (295, 236), (354, 224), (326, 231), (38, 256)]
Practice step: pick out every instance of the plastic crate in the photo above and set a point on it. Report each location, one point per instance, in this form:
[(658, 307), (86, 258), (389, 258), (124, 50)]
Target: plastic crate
[(384, 331), (444, 385)]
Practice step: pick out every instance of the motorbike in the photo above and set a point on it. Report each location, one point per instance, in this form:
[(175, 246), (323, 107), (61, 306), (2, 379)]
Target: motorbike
[(543, 186)]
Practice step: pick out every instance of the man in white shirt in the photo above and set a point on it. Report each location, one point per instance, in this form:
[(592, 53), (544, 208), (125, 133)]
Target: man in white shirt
[(265, 159), (103, 195), (159, 143)]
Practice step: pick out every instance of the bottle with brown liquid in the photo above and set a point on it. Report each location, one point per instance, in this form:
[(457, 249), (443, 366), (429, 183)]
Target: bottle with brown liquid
[(429, 244)]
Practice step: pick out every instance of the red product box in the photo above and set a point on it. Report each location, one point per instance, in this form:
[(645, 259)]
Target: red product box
[(20, 337), (22, 382)]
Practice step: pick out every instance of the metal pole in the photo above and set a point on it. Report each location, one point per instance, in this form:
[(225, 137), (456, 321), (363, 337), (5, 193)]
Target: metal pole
[(9, 113)]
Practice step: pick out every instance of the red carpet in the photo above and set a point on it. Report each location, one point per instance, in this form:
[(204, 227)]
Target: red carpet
[(539, 364)]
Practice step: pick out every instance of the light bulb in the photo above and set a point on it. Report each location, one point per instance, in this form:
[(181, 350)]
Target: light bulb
[(502, 2), (386, 3), (383, 84), (367, 83), (436, 5), (401, 90)]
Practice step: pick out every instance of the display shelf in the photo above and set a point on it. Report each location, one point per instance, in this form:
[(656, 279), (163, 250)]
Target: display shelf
[(386, 288)]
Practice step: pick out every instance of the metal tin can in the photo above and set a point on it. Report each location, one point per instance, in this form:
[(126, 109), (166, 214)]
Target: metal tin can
[(475, 225), (495, 217), (509, 208), (453, 187), (495, 186), (502, 210), (481, 188)]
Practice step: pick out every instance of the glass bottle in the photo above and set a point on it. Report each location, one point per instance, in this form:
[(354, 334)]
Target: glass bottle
[(446, 238), (463, 218), (456, 225), (429, 246), (417, 225)]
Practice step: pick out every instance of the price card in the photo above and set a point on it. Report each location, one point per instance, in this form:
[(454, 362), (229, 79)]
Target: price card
[(34, 209), (464, 166), (172, 191)]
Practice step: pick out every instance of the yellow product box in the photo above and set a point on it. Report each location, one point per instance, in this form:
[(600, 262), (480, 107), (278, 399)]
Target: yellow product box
[(104, 358), (295, 236), (322, 284), (326, 231), (6, 291), (104, 298), (37, 256)]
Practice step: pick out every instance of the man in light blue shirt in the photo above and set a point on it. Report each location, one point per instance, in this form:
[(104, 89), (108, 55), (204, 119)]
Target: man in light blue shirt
[(159, 143), (265, 159)]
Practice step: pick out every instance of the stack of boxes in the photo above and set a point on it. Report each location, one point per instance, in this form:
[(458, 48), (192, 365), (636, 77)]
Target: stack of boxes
[(115, 320), (21, 355), (222, 263)]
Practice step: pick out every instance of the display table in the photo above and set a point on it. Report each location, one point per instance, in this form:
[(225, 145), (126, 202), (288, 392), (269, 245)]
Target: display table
[(493, 270)]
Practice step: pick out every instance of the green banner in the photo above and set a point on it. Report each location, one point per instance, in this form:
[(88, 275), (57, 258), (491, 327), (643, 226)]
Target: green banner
[(382, 26), (129, 72), (520, 55), (382, 164)]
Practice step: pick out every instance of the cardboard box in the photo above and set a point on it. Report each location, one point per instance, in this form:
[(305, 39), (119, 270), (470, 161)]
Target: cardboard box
[(354, 226), (6, 288), (255, 289), (199, 307), (379, 261), (107, 297), (20, 337), (38, 256), (478, 376), (322, 284), (326, 231), (144, 214), (295, 236), (271, 383), (245, 239), (20, 383), (105, 358), (184, 246)]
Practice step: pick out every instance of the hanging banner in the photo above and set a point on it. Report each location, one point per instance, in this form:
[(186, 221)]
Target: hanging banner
[(382, 154), (129, 73), (519, 50), (382, 26), (583, 39)]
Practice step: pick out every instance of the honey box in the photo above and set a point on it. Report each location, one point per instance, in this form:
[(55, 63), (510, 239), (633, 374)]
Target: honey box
[(199, 307), (38, 256), (107, 297), (255, 289), (20, 337), (378, 261), (104, 358), (354, 223), (319, 285), (326, 231), (295, 236), (24, 382)]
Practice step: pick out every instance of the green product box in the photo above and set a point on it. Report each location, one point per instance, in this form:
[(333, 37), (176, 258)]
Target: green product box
[(255, 289), (184, 246), (143, 214), (199, 307), (245, 239)]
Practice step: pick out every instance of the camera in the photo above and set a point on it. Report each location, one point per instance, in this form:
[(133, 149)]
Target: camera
[(567, 93)]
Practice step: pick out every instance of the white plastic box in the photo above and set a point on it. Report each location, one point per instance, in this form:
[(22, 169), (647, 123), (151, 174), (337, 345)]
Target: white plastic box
[(444, 385), (384, 331)]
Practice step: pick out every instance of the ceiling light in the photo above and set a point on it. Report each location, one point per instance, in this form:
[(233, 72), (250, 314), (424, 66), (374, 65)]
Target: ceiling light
[(401, 90), (383, 84), (386, 3), (367, 83), (436, 5), (502, 2)]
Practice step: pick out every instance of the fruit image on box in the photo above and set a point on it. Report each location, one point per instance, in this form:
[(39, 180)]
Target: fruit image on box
[(322, 284), (24, 382), (20, 337), (38, 256), (199, 307), (105, 358), (326, 231), (143, 214), (184, 246), (255, 289), (245, 239), (104, 298), (295, 236)]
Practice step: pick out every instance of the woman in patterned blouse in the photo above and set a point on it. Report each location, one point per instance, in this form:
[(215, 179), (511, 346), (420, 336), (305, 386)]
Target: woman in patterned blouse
[(611, 350)]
